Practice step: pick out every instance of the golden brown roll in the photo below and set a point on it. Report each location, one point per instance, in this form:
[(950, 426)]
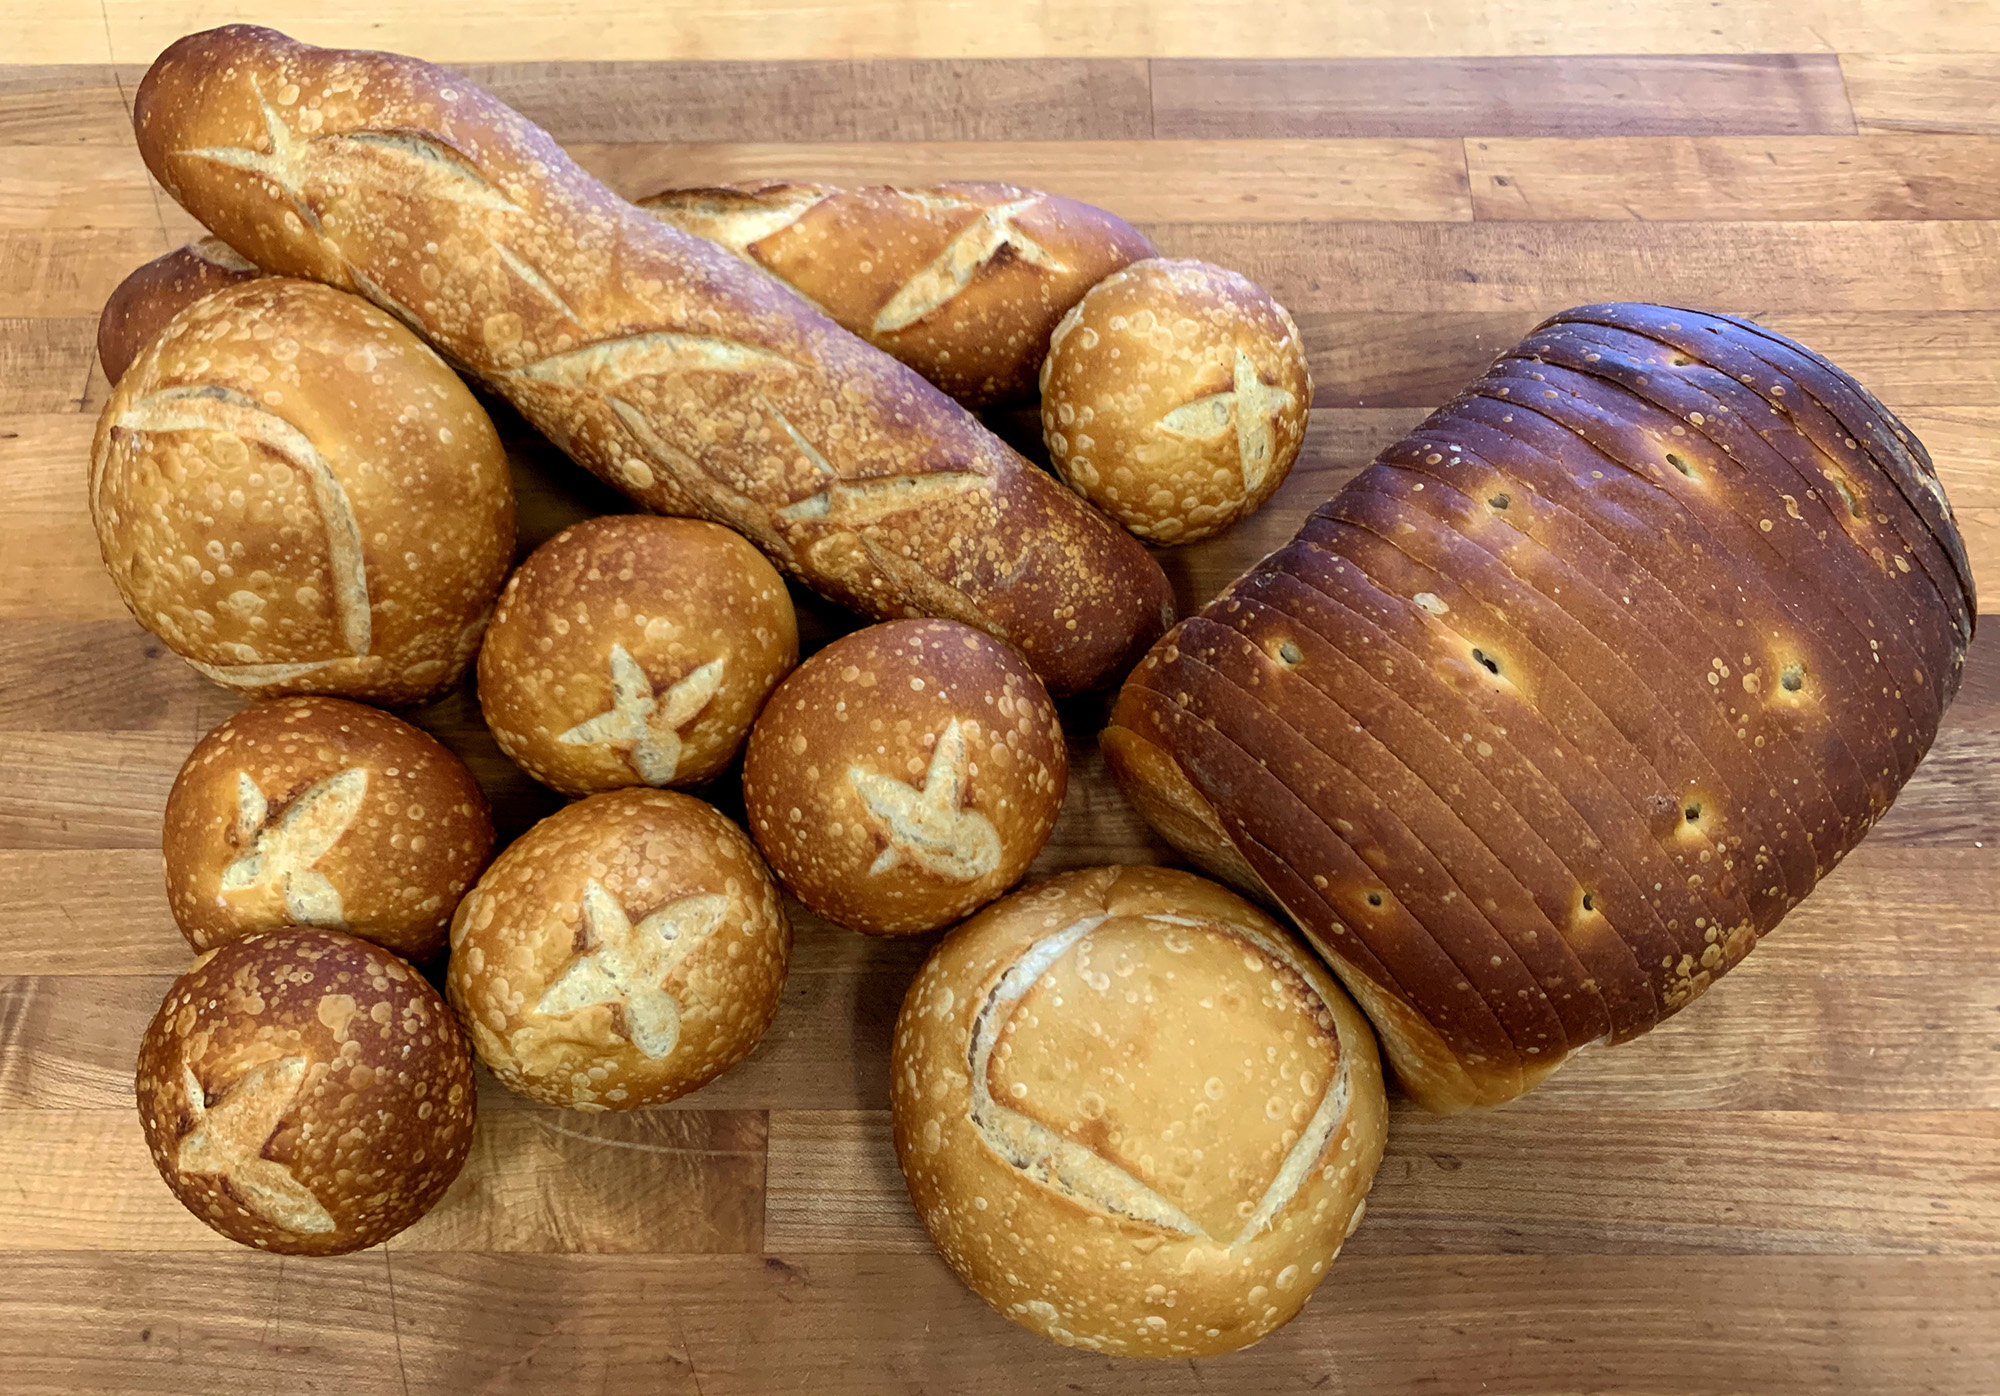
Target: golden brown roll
[(320, 812), (1175, 397), (298, 496), (1134, 1114), (904, 775), (634, 650), (305, 1092), (961, 281), (1543, 721), (622, 952), (143, 302)]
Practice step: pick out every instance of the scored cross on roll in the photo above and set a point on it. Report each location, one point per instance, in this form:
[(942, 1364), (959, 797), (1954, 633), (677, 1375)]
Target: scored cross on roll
[(1547, 717), (689, 380)]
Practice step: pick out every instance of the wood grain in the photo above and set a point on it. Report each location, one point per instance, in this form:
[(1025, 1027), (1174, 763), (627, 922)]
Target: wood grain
[(1792, 1187)]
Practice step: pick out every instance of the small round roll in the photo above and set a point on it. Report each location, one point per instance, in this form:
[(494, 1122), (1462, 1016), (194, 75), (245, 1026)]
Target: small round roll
[(305, 1092), (142, 304), (1135, 1115), (624, 951), (298, 496), (1174, 398), (634, 650), (320, 812), (904, 775)]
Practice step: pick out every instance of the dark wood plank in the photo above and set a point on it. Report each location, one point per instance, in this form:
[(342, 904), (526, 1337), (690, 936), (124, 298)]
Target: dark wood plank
[(1924, 91), (1683, 178), (1750, 268), (44, 365), (1679, 94)]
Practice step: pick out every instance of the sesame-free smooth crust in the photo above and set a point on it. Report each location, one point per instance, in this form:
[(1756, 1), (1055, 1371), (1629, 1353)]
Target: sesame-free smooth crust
[(691, 381)]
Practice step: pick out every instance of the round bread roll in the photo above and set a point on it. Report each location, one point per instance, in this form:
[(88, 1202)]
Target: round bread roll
[(143, 302), (320, 812), (904, 775), (305, 1092), (1174, 398), (297, 495), (634, 650), (1171, 1118), (624, 951)]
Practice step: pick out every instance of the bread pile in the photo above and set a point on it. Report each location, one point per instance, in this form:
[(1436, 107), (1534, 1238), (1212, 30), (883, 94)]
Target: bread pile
[(1534, 730)]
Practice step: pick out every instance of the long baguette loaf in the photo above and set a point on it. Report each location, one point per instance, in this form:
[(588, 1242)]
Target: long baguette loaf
[(963, 282), (692, 382), (1543, 721)]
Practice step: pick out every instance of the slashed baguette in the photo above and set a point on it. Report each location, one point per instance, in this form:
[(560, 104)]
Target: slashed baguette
[(1542, 722), (692, 382)]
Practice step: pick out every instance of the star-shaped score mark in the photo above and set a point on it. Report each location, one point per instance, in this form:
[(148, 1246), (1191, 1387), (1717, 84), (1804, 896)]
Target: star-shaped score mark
[(1250, 405), (976, 245), (930, 827), (644, 726), (227, 1141), (627, 965), (281, 853)]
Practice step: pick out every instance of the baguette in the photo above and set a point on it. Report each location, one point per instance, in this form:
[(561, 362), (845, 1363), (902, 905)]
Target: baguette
[(143, 302), (964, 282), (1547, 718), (680, 375)]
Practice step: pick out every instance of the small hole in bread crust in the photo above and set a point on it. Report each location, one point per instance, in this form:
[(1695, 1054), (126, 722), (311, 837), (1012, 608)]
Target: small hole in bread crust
[(1290, 655), (1590, 901), (1374, 899), (1500, 501), (1692, 813), (1486, 661), (1792, 677), (1681, 465)]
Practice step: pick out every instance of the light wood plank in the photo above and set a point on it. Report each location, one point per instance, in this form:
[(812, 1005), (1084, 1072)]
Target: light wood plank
[(70, 271), (1148, 181), (1950, 90), (72, 185), (44, 104), (45, 366), (1716, 94), (1677, 179)]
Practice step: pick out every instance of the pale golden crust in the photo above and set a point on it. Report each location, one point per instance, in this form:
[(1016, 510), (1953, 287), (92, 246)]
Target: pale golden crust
[(904, 775), (305, 1092), (298, 496), (1549, 715), (321, 812), (1134, 1114), (962, 281), (143, 302), (692, 382), (634, 650), (622, 952), (1174, 397)]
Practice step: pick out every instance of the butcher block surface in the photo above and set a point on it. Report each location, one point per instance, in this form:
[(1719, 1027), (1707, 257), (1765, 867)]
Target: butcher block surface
[(1793, 1186)]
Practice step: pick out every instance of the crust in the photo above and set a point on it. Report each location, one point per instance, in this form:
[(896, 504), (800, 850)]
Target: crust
[(143, 302)]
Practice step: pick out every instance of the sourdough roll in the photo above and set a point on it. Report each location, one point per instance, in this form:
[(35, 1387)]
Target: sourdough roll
[(696, 384), (320, 812), (1134, 1114), (1554, 711), (305, 1092), (297, 495), (622, 952), (143, 302), (961, 281), (634, 650), (904, 775), (1174, 398)]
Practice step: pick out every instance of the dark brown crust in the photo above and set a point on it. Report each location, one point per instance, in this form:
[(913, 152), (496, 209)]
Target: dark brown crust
[(852, 251), (375, 1119), (682, 376), (143, 302), (1664, 609)]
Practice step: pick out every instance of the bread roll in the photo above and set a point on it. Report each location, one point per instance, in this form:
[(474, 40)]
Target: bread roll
[(1556, 709), (634, 650), (297, 495), (692, 382), (622, 952), (1175, 397), (320, 812), (904, 775), (1134, 1114), (305, 1092), (961, 281), (144, 301)]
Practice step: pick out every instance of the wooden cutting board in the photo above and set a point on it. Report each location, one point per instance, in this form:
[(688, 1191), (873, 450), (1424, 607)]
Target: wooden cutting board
[(1794, 1185)]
